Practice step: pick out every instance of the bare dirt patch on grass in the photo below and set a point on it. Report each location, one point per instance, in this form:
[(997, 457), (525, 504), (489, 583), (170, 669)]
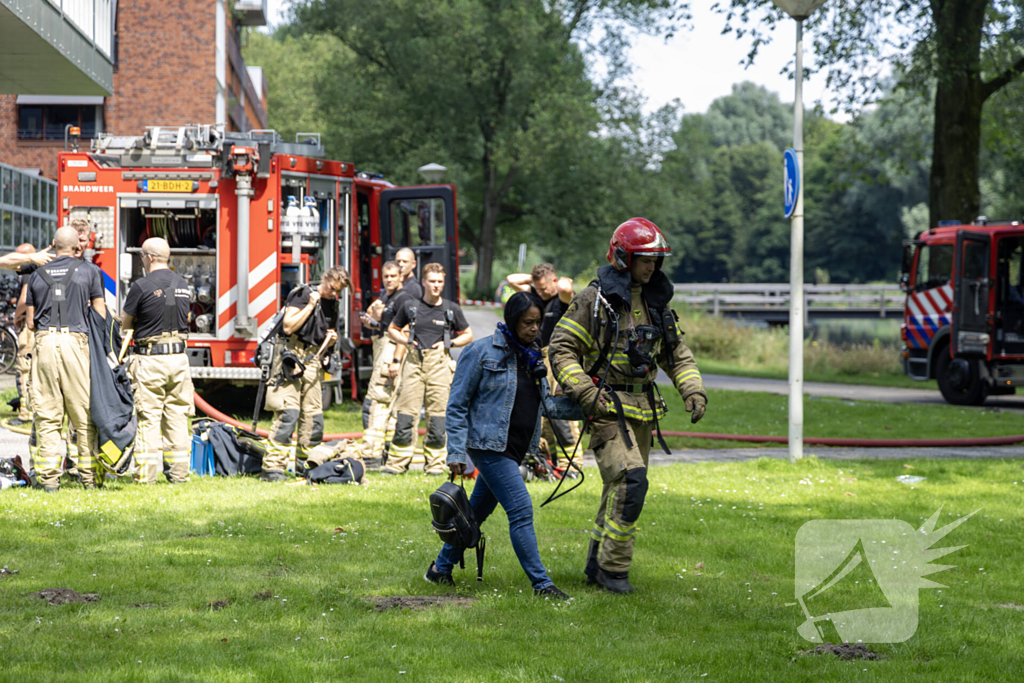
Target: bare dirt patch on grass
[(419, 602), (844, 651), (65, 596)]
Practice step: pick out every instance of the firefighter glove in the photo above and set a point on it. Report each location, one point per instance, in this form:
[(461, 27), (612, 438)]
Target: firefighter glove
[(695, 405), (603, 406)]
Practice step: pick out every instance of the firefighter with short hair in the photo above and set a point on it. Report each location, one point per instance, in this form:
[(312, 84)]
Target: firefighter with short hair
[(605, 353), (436, 325), (381, 388), (295, 394), (26, 341), (156, 315), (57, 306)]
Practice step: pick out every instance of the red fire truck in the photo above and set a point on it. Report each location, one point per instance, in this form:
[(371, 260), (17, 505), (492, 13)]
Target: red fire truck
[(249, 216), (963, 322)]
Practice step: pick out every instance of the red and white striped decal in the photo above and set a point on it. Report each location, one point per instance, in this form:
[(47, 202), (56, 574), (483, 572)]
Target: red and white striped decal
[(262, 293)]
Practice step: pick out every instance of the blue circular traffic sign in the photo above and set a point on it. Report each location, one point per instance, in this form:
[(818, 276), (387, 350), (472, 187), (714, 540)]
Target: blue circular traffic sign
[(790, 180)]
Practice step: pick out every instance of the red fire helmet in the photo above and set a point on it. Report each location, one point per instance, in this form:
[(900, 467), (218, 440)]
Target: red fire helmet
[(636, 237)]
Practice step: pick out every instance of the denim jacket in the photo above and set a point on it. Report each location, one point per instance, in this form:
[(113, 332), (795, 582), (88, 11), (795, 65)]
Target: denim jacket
[(482, 394)]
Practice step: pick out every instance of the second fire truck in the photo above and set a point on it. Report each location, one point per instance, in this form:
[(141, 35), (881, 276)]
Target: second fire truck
[(963, 324)]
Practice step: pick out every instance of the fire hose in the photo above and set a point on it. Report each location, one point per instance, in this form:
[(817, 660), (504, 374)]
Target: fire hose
[(227, 419)]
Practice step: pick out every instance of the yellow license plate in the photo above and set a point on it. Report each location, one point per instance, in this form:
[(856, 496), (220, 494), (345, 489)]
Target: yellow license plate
[(168, 186)]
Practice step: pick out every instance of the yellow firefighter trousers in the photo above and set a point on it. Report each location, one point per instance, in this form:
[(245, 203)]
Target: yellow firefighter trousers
[(298, 405), (426, 380), (624, 475), (23, 365), (60, 384), (164, 400), (381, 392)]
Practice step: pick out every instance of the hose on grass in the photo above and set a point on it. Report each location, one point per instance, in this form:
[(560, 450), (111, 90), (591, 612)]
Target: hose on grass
[(202, 405)]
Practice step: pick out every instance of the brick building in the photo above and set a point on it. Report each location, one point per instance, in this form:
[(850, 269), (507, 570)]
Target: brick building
[(175, 62)]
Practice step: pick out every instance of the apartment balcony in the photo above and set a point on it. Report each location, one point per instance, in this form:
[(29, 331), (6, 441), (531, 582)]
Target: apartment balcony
[(251, 12), (57, 47)]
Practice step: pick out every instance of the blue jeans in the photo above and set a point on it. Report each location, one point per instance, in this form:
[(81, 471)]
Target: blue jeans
[(500, 482)]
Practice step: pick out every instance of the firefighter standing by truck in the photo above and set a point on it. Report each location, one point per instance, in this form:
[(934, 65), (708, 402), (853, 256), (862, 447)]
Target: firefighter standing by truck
[(381, 389), (295, 395), (156, 314), (26, 341), (436, 325), (557, 293), (57, 306), (605, 353)]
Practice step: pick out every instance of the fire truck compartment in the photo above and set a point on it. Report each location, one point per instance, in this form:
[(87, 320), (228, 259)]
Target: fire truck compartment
[(190, 227)]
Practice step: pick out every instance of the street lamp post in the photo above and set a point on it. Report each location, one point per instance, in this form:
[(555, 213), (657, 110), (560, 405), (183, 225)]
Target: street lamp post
[(799, 10)]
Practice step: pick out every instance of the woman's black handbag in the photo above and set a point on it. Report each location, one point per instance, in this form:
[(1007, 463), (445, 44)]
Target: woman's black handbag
[(456, 524)]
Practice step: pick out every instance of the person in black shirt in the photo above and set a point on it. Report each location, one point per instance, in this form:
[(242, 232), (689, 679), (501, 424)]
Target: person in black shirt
[(156, 314), (493, 417), (26, 340), (381, 388), (406, 260), (295, 394), (556, 293), (57, 305), (435, 326)]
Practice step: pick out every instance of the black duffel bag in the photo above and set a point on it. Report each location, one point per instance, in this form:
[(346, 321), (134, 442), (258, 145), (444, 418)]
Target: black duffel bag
[(343, 471), (455, 523)]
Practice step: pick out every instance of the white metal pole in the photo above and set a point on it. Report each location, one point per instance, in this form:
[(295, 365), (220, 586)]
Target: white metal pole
[(796, 269)]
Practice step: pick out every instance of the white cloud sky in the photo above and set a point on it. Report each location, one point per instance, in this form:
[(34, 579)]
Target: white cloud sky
[(699, 65)]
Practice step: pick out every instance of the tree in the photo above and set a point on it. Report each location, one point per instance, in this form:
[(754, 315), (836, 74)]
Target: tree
[(293, 67), (474, 78), (958, 52)]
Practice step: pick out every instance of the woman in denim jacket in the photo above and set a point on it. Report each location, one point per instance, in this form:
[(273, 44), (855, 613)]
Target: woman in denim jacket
[(493, 416)]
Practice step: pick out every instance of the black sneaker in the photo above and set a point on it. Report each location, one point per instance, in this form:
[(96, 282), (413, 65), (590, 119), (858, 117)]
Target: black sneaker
[(551, 593), (18, 422), (434, 576), (614, 582), (273, 475)]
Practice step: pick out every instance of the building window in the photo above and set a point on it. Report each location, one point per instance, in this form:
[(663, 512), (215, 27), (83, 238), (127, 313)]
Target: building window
[(47, 121)]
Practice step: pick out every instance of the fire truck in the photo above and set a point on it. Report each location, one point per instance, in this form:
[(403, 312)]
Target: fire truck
[(249, 216), (963, 323)]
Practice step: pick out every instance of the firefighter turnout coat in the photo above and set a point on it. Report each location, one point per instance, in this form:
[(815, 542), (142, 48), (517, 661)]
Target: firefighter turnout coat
[(623, 334)]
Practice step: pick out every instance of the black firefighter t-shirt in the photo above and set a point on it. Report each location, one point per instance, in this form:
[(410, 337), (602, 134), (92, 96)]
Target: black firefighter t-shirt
[(314, 331), (146, 302), (430, 320)]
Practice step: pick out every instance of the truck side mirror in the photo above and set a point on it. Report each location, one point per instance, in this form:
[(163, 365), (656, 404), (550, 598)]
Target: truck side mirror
[(905, 282)]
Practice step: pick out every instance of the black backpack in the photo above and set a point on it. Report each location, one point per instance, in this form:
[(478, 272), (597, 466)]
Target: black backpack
[(344, 471), (456, 524)]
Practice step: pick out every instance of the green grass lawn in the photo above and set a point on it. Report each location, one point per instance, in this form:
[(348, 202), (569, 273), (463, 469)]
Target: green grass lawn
[(741, 412), (293, 570), (876, 379)]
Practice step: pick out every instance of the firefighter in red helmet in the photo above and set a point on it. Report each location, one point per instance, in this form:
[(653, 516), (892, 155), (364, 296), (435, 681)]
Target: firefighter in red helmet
[(605, 353)]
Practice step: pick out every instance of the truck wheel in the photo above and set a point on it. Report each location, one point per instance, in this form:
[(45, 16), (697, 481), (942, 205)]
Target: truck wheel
[(960, 381)]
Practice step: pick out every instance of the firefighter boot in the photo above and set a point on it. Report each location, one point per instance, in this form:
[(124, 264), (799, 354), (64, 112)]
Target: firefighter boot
[(591, 569), (614, 582)]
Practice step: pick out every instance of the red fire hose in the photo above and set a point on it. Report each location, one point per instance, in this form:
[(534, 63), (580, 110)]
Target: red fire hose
[(227, 419), (862, 443), (748, 438)]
